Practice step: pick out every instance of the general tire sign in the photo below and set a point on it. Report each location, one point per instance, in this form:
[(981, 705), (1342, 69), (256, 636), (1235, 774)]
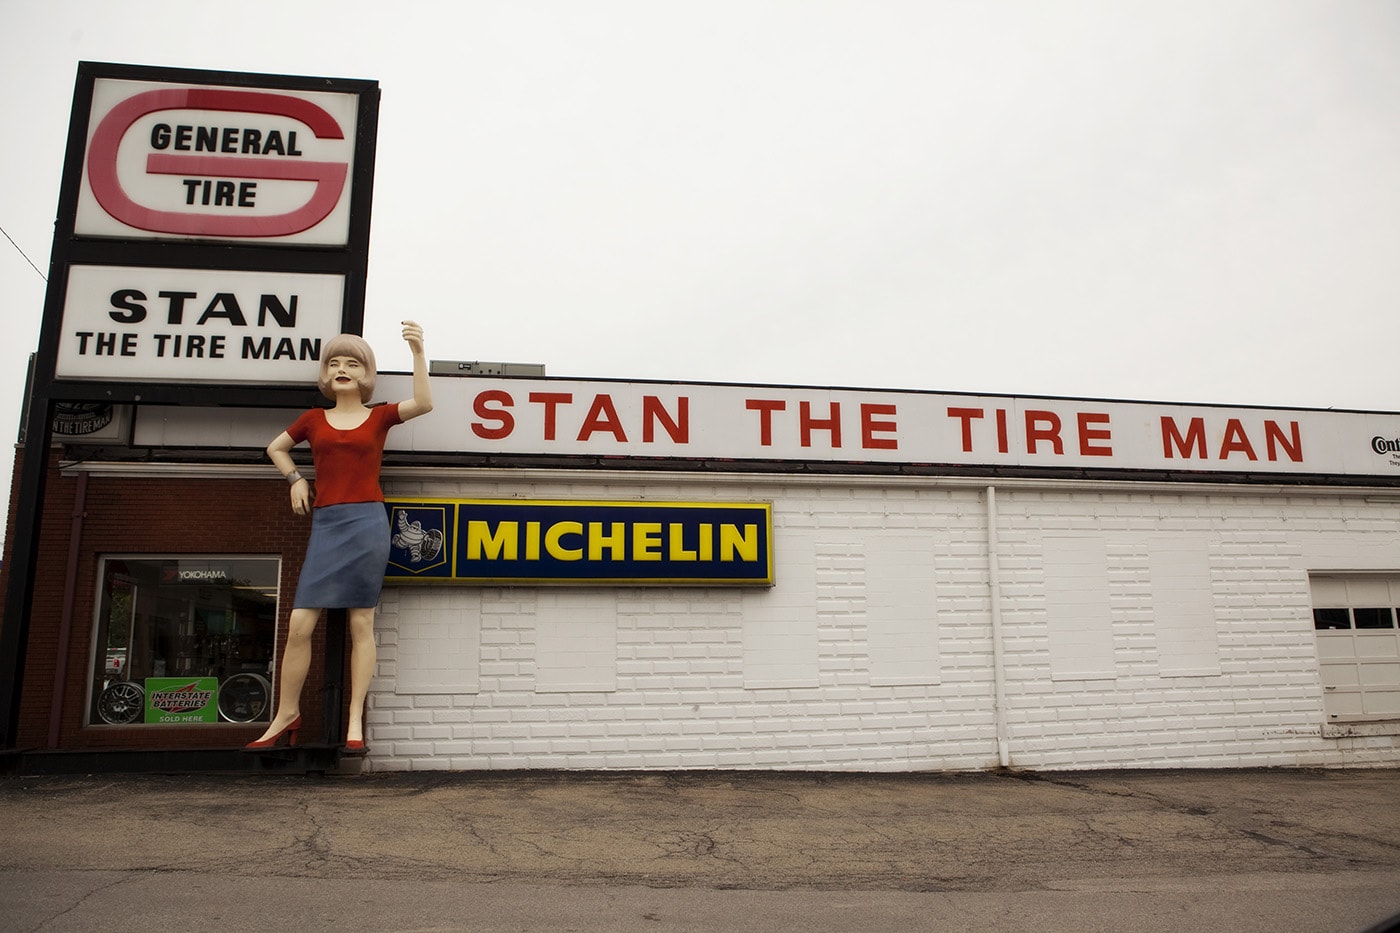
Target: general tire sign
[(217, 163)]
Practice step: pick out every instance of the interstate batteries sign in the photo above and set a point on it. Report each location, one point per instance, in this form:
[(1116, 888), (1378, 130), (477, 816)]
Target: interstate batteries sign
[(182, 699), (506, 541), (227, 163)]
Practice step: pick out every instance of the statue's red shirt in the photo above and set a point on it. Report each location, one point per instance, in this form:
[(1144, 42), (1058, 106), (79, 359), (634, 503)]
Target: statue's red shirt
[(347, 462)]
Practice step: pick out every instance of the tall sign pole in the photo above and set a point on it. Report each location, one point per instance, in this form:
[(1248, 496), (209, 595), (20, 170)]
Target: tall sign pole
[(212, 228)]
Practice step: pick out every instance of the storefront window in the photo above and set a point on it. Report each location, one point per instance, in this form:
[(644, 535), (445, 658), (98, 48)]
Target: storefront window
[(184, 639)]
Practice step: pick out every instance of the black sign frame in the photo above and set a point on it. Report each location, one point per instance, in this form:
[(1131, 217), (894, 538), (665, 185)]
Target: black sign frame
[(69, 249)]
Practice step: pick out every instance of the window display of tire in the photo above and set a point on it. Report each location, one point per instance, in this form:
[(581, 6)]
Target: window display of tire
[(122, 703), (244, 698)]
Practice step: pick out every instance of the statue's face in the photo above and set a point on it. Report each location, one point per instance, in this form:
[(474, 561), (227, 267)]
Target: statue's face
[(345, 373)]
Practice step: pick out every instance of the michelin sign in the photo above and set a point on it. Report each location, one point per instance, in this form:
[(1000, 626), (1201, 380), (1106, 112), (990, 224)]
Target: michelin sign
[(513, 541)]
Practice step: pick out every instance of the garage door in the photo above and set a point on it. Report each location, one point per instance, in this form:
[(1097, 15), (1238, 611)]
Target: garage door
[(1358, 645)]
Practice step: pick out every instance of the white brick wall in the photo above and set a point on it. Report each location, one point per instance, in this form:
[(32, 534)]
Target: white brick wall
[(874, 651)]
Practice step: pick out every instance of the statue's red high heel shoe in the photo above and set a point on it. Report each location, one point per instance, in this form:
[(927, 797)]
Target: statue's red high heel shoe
[(355, 747), (290, 731)]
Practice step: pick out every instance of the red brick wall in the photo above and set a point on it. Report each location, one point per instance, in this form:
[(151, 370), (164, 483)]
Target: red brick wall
[(168, 516)]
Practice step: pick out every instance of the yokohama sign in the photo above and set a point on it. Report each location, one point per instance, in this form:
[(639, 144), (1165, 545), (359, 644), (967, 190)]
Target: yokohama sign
[(168, 161)]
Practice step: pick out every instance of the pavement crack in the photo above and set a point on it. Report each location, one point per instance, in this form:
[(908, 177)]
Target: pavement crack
[(100, 889)]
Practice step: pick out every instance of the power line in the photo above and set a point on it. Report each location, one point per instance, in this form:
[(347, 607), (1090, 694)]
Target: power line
[(22, 253)]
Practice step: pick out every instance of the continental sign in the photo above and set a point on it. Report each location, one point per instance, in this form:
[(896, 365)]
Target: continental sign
[(515, 541)]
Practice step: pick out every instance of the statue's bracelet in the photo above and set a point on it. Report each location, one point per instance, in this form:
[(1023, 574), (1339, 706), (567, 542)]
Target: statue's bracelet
[(295, 477)]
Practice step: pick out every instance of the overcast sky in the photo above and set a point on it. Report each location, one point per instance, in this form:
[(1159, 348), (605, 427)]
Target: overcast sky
[(1172, 201)]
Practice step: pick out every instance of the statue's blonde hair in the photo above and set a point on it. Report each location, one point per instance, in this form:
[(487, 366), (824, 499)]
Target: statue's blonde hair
[(354, 346)]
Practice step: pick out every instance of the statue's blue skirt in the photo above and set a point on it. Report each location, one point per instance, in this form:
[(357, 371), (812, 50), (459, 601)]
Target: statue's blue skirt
[(345, 558)]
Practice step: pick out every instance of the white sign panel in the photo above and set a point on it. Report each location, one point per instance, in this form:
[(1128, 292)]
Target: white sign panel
[(668, 420), (138, 324), (717, 423), (168, 161)]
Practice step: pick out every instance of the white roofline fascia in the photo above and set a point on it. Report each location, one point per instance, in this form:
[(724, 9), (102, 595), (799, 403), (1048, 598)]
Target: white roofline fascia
[(143, 470)]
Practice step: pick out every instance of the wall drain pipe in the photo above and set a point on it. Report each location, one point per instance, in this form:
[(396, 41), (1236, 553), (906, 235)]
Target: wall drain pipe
[(65, 627), (998, 649)]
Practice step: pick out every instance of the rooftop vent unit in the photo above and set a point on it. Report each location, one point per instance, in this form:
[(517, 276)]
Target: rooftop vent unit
[(479, 368)]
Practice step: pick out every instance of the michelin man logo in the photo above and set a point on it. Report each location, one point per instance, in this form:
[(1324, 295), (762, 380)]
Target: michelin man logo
[(420, 540), (422, 545)]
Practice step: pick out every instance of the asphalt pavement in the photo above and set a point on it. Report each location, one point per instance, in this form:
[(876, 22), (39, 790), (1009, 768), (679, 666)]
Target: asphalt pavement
[(1257, 850)]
